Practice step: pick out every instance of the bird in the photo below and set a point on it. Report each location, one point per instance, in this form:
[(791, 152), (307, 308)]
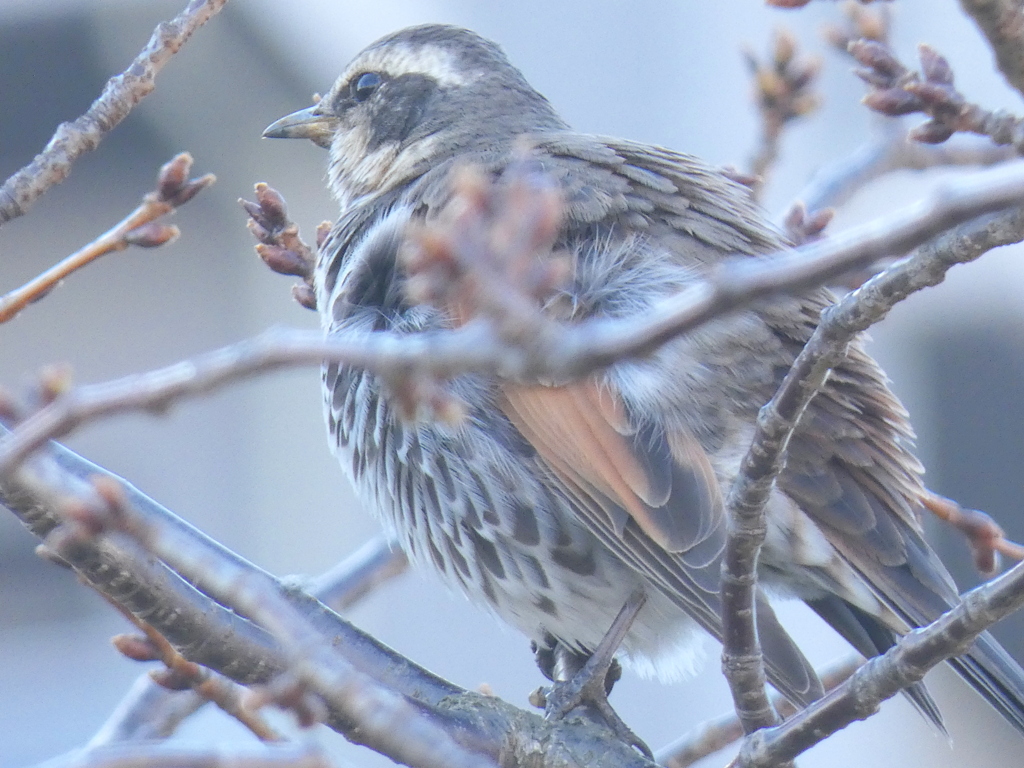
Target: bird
[(556, 504)]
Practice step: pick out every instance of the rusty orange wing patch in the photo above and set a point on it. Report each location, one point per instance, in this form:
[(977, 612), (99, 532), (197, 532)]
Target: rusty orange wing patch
[(665, 484)]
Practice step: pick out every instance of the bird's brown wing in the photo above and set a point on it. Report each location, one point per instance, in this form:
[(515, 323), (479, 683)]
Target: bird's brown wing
[(668, 489), (651, 498), (648, 188), (851, 468)]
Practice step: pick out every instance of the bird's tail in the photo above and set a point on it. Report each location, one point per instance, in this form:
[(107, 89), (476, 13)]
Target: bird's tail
[(994, 674)]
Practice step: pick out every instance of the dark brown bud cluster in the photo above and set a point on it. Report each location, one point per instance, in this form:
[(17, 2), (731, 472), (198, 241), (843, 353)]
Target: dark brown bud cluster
[(173, 185), (897, 90), (280, 246), (492, 243)]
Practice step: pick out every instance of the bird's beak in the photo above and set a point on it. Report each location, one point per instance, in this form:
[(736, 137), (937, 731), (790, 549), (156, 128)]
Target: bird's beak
[(305, 124)]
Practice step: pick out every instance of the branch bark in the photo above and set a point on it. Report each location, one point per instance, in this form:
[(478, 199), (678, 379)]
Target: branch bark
[(884, 676), (778, 419), (41, 488), (120, 95), (553, 350)]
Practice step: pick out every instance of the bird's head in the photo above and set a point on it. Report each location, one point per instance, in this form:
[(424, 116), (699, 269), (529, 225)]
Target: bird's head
[(413, 99)]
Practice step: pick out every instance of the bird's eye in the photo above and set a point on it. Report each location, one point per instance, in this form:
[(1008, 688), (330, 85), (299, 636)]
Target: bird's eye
[(364, 85)]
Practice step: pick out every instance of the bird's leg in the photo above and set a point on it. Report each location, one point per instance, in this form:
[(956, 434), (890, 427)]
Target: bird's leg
[(586, 682)]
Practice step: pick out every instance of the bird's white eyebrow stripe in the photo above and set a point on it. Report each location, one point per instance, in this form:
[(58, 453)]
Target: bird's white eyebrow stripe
[(430, 60)]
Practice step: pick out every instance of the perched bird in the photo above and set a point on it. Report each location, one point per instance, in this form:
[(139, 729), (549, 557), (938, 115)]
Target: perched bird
[(553, 504)]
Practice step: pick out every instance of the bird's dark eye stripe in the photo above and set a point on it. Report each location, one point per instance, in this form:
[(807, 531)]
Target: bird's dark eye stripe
[(364, 85)]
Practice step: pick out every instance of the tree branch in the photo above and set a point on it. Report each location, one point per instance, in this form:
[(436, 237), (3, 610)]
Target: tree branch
[(151, 711), (884, 676), (714, 735), (147, 712), (778, 419), (379, 718), (173, 189), (119, 97), (891, 151), (201, 629), (377, 561), (896, 91), (246, 653), (783, 91), (547, 349)]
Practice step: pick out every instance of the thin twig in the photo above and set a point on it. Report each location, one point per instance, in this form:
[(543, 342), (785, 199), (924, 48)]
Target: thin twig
[(382, 719), (377, 561), (205, 632), (146, 712), (714, 735), (201, 629), (884, 676), (181, 674), (119, 97), (778, 419), (235, 647), (550, 349), (150, 711), (890, 151), (985, 537), (139, 228), (896, 90), (783, 90)]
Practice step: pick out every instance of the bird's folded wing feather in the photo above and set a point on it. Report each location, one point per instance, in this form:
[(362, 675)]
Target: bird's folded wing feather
[(652, 500)]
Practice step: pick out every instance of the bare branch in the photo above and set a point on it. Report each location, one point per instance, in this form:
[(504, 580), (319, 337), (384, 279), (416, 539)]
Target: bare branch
[(884, 676), (985, 537), (380, 718), (783, 92), (837, 182), (180, 674), (201, 629), (119, 97), (173, 189), (548, 348), (147, 712), (777, 420), (377, 561), (890, 150), (151, 711), (41, 487), (714, 735)]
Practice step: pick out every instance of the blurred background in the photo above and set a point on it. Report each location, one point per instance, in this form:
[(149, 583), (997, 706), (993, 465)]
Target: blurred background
[(250, 465)]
